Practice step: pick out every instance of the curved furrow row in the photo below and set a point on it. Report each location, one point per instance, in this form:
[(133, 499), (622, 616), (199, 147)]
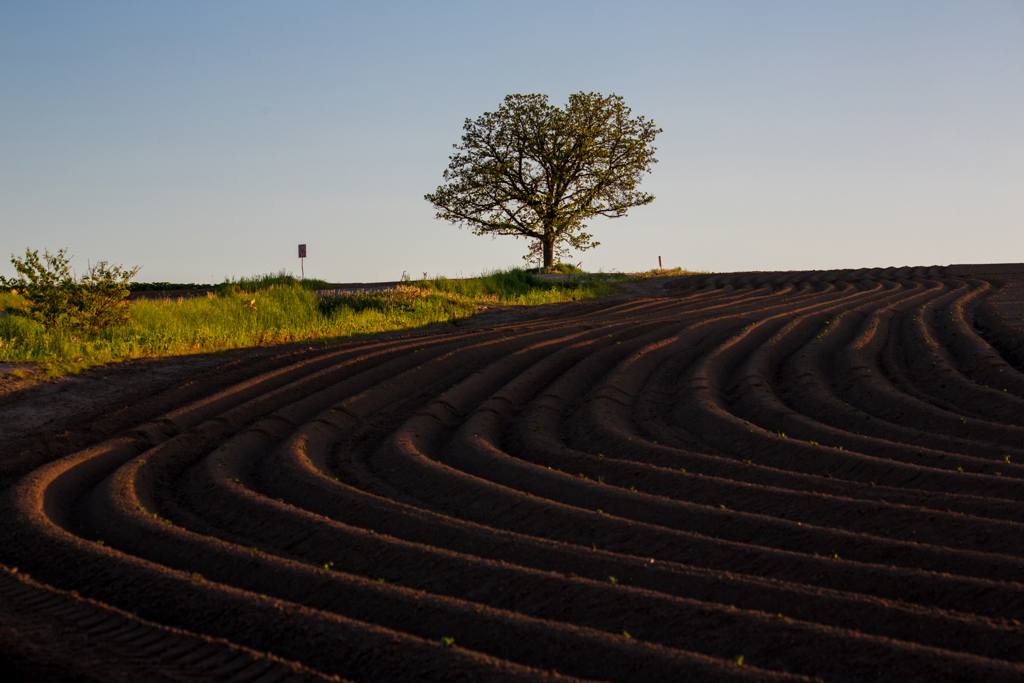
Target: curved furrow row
[(765, 476)]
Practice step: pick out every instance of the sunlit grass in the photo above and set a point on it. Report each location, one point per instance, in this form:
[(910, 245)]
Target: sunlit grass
[(663, 272), (520, 287), (277, 314)]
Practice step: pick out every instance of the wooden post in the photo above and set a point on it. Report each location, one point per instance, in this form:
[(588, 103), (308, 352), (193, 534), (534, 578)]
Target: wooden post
[(659, 264), (302, 259)]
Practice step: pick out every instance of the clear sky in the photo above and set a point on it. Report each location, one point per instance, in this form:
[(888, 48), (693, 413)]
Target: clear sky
[(207, 139)]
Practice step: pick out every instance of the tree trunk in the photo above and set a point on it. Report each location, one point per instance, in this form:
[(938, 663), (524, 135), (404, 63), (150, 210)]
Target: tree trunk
[(549, 254)]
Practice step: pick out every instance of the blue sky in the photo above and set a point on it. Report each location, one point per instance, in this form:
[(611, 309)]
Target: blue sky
[(203, 140)]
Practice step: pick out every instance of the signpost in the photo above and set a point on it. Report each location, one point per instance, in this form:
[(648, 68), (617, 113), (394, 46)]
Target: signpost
[(302, 259)]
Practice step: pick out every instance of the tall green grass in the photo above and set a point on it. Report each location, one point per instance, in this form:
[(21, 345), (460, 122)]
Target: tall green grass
[(258, 283), (563, 268), (517, 286), (276, 313)]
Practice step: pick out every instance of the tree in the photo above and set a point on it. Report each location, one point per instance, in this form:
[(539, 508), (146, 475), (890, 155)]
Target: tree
[(57, 300), (538, 171)]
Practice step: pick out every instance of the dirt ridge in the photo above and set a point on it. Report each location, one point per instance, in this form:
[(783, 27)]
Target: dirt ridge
[(750, 476)]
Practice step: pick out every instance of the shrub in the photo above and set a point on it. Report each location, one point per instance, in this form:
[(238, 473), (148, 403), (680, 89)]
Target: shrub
[(58, 300)]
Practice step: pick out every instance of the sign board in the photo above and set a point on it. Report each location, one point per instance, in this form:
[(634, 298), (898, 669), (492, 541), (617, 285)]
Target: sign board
[(302, 251)]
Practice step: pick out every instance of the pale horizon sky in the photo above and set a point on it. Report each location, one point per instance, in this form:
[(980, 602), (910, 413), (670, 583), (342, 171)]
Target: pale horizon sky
[(206, 140)]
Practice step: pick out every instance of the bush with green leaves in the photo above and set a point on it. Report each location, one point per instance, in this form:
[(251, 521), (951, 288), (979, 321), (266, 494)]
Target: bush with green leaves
[(59, 300)]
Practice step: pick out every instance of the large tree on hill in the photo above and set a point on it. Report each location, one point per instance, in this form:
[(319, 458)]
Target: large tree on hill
[(538, 171)]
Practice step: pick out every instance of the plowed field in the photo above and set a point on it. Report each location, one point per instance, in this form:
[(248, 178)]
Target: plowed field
[(749, 477)]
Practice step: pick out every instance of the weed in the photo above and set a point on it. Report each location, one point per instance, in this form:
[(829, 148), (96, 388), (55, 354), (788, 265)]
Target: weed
[(447, 642), (612, 580)]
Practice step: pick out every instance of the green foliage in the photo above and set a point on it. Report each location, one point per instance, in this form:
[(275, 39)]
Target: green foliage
[(164, 286), (506, 285), (402, 299), (58, 300), (258, 283), (517, 286), (537, 171), (275, 315), (664, 272), (563, 268)]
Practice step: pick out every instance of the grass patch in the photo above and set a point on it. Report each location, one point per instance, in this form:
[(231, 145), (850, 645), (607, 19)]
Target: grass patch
[(249, 285), (163, 286), (9, 300), (664, 272), (563, 268), (258, 283), (519, 287), (272, 309)]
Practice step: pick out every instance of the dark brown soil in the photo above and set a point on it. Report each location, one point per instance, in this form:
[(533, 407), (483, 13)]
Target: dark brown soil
[(751, 476)]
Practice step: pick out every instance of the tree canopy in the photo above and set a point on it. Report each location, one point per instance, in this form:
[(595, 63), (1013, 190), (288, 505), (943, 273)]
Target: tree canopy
[(538, 171)]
